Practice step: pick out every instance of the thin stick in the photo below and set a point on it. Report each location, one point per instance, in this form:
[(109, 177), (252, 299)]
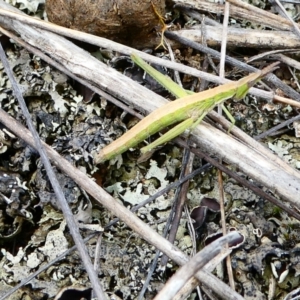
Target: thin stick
[(101, 42), (119, 210), (72, 224), (220, 177), (295, 26), (224, 40), (244, 182), (111, 223), (179, 202), (272, 53), (271, 78), (269, 18), (104, 43), (181, 277), (58, 66), (276, 128)]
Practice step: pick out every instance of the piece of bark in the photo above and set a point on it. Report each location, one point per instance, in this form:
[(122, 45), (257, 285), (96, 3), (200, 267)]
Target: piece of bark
[(239, 10), (121, 20), (246, 38)]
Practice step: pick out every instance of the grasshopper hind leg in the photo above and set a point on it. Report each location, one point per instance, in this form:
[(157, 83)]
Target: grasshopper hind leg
[(230, 117), (171, 134)]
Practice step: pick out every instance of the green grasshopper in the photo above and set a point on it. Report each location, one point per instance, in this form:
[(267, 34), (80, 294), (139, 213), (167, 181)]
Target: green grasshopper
[(189, 110)]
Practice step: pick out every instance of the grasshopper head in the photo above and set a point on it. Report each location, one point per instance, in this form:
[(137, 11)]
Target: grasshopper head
[(244, 84)]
